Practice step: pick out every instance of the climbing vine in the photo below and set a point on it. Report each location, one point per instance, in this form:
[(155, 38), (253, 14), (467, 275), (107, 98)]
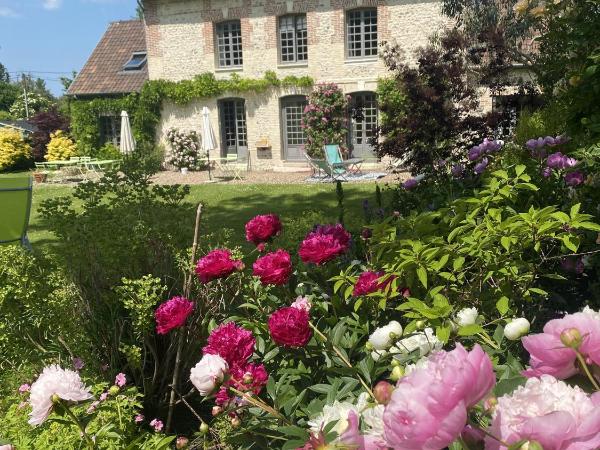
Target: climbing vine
[(144, 107)]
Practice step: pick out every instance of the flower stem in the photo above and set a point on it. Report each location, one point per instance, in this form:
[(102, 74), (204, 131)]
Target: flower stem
[(343, 358), (490, 435), (260, 404), (73, 417), (586, 369)]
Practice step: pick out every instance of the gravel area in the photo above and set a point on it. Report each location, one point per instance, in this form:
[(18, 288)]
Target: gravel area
[(254, 177)]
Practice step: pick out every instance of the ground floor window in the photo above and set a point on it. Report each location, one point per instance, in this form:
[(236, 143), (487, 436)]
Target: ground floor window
[(110, 130), (293, 136), (363, 124), (510, 108), (234, 135)]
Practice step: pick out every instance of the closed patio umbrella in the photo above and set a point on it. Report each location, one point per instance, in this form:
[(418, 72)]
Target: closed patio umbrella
[(208, 137), (127, 145)]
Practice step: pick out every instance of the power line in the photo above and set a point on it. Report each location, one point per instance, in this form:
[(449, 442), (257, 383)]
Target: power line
[(37, 71)]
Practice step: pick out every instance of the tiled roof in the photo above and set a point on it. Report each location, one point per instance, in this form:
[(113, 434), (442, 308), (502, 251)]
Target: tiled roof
[(103, 73)]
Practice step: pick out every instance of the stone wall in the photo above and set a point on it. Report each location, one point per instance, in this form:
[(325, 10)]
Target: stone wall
[(180, 35)]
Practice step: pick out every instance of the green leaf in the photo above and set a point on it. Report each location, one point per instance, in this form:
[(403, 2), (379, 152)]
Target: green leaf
[(575, 210), (422, 274), (519, 169), (470, 330), (443, 333), (506, 242), (571, 242), (458, 263), (502, 305)]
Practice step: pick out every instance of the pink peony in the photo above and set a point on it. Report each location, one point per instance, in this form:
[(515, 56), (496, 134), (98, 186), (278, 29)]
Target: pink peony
[(157, 425), (290, 327), (261, 229), (546, 410), (139, 418), (324, 243), (368, 282), (232, 343), (274, 268), (64, 383), (548, 355), (120, 379), (428, 409), (252, 377), (172, 314), (24, 388), (355, 440), (217, 264), (302, 303)]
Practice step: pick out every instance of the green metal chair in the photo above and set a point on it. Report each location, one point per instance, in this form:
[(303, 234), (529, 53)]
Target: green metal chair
[(15, 208), (342, 167)]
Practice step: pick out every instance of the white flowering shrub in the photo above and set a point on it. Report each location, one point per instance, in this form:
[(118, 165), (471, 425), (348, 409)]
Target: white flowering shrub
[(185, 149)]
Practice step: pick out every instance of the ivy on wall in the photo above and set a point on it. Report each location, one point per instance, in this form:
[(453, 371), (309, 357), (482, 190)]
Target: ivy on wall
[(144, 107)]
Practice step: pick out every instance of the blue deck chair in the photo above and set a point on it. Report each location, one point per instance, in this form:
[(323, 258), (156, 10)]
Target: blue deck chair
[(15, 208), (342, 167)]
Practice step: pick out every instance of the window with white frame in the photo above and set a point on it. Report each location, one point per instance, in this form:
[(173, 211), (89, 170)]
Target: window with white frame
[(293, 38), (229, 44), (361, 33)]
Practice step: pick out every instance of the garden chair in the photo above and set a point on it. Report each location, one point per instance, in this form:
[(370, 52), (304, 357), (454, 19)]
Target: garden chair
[(333, 155), (321, 165), (232, 166), (15, 208)]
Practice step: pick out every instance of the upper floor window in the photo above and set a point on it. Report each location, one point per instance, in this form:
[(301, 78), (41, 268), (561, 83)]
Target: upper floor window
[(361, 33), (229, 44), (293, 38), (136, 62)]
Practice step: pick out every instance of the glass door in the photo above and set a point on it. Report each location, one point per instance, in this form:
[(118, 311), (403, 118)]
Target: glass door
[(363, 120), (233, 128), (292, 110)]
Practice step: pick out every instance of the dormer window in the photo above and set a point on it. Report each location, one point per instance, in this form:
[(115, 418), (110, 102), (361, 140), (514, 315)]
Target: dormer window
[(136, 62)]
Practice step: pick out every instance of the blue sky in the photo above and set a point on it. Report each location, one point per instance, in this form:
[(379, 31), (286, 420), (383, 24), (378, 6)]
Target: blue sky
[(54, 35)]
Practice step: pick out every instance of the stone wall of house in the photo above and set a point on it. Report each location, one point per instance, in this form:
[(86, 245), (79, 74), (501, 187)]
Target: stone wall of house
[(180, 37)]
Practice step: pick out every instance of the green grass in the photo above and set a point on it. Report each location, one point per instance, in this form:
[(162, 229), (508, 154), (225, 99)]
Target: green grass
[(230, 206)]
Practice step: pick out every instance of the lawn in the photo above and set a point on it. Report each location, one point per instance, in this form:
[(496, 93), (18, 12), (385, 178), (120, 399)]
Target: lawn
[(230, 206)]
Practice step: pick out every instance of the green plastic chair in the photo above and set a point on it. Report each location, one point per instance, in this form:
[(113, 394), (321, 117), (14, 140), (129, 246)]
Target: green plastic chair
[(15, 208), (339, 166)]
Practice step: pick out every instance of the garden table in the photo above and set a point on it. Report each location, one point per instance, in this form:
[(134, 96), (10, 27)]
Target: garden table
[(230, 166), (99, 166)]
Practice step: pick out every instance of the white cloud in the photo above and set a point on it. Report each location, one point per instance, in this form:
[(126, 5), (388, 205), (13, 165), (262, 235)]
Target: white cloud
[(52, 4), (5, 11)]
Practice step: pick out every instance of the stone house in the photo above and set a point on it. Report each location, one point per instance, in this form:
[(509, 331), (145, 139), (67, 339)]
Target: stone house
[(329, 40)]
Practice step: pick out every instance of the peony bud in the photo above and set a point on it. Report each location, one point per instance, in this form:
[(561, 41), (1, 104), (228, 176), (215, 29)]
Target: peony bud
[(114, 390), (369, 346), (208, 373), (55, 399), (516, 328), (420, 324), (216, 410), (382, 338), (395, 362), (182, 442), (571, 338), (236, 422), (204, 428), (531, 445), (383, 392), (397, 373)]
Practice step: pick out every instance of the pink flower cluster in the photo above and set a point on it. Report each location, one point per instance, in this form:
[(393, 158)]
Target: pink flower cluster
[(289, 326), (324, 243), (263, 228), (274, 268), (172, 314), (217, 264), (368, 283)]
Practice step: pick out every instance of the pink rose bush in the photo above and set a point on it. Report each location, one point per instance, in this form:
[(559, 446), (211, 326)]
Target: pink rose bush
[(274, 268), (172, 314), (324, 243), (289, 326), (262, 229), (217, 264)]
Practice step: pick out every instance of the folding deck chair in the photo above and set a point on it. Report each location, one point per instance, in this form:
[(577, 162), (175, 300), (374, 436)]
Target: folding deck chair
[(333, 155), (15, 208)]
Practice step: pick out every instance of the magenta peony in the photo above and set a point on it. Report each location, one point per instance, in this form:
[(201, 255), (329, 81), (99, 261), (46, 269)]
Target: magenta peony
[(290, 327), (261, 229), (217, 264), (252, 377), (558, 416), (273, 268), (368, 282), (324, 243), (548, 355), (232, 343), (428, 409), (172, 314)]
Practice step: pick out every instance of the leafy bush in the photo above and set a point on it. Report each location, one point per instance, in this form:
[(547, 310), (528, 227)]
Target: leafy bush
[(61, 147), (15, 153), (324, 120), (46, 122), (35, 103), (108, 151)]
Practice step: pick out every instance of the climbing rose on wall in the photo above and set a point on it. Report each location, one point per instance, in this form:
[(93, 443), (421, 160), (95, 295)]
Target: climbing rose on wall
[(263, 228), (274, 268), (217, 264), (289, 326)]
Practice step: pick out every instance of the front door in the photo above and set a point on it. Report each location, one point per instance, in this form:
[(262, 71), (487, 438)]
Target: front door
[(233, 128), (292, 110), (363, 120)]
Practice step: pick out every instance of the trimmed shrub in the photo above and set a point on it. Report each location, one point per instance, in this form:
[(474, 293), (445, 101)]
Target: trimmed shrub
[(60, 147), (15, 153)]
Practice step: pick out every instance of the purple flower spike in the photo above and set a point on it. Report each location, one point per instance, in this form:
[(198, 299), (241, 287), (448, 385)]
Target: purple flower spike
[(549, 140), (531, 144), (480, 167)]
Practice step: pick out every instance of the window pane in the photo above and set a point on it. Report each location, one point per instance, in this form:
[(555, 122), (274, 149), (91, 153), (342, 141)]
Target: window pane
[(229, 44), (362, 33), (293, 38)]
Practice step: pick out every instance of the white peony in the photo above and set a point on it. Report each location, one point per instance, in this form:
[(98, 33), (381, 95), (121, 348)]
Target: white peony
[(516, 328), (372, 415), (383, 337), (64, 383), (467, 316), (424, 341), (420, 364), (378, 354), (208, 373), (590, 312), (337, 412)]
